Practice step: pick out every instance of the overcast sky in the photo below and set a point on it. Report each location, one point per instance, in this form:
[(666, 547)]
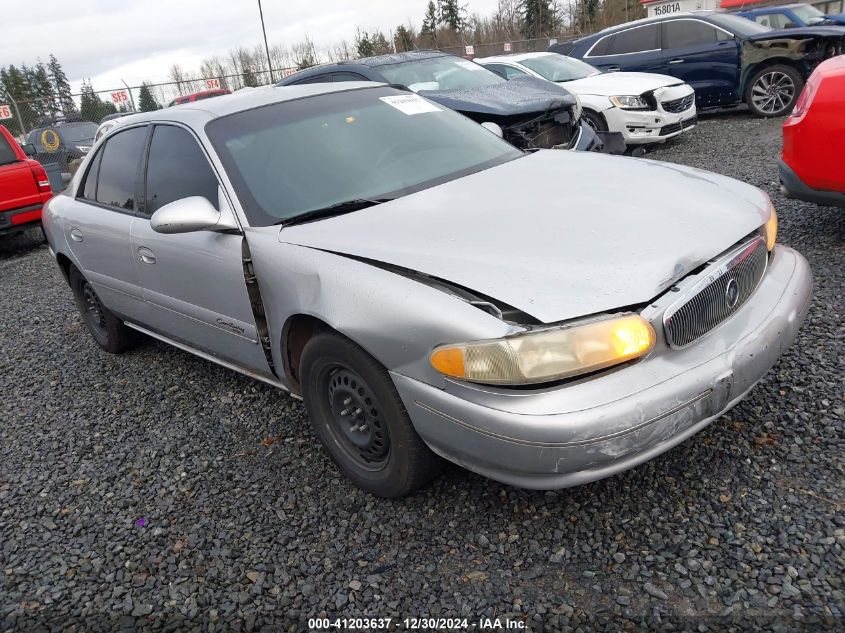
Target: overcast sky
[(138, 40)]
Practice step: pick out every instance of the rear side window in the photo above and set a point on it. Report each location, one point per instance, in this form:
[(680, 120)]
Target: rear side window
[(682, 33), (89, 188), (643, 38), (119, 168), (7, 155), (348, 77), (316, 79), (176, 169)]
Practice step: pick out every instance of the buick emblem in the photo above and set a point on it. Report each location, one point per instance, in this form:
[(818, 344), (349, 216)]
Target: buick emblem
[(732, 294)]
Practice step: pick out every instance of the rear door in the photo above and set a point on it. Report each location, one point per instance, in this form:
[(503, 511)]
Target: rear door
[(704, 56), (100, 218), (18, 188), (633, 49), (193, 282)]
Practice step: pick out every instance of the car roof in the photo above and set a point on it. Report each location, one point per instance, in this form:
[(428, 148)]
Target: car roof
[(246, 99), (514, 57), (395, 58), (655, 18)]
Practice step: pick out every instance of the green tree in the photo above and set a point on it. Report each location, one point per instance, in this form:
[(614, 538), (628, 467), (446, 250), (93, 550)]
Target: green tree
[(403, 40), (428, 31), (61, 86), (538, 18), (363, 44), (16, 87), (146, 101), (91, 107), (43, 88), (452, 15)]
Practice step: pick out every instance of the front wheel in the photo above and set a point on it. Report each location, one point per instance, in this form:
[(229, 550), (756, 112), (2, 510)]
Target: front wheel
[(356, 412), (594, 120), (773, 91)]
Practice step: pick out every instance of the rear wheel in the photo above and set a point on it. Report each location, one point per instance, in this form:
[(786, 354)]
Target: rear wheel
[(356, 412), (108, 331), (773, 91)]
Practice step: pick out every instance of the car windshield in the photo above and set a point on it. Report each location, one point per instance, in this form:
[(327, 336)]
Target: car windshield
[(738, 25), (440, 73), (556, 67), (78, 132), (809, 14), (289, 158)]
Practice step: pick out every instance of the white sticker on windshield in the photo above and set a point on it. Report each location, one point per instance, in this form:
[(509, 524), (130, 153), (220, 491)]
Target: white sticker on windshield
[(469, 65), (410, 104)]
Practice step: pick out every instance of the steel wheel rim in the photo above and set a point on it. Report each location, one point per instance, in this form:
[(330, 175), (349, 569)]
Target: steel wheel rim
[(93, 310), (356, 421), (773, 92)]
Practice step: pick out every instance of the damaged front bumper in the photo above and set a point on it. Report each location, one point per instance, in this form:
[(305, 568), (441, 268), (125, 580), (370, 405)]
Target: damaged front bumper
[(571, 434), (663, 122)]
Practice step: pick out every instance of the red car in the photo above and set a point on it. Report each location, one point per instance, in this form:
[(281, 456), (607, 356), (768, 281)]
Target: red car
[(814, 138), (197, 96), (24, 186)]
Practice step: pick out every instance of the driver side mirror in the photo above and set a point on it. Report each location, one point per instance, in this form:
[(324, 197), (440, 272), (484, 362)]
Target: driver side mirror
[(189, 215), (29, 149), (493, 127)]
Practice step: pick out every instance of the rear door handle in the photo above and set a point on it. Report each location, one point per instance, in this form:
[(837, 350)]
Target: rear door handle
[(613, 69), (146, 255), (676, 61), (76, 234)]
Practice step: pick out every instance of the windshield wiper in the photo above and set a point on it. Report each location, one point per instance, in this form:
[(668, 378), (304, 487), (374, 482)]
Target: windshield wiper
[(340, 208)]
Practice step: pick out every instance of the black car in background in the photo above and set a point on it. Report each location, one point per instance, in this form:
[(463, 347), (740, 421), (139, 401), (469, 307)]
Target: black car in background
[(531, 112), (725, 58), (62, 140)]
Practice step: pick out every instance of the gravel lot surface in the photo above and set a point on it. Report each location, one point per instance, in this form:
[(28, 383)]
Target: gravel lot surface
[(154, 490)]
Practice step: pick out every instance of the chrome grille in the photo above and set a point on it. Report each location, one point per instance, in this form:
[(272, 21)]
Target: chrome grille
[(725, 286), (678, 105)]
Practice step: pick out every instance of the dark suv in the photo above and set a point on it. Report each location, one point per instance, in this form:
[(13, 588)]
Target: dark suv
[(60, 141), (726, 58), (531, 112)]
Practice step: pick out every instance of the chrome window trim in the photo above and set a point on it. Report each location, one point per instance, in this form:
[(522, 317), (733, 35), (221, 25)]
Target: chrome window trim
[(660, 24)]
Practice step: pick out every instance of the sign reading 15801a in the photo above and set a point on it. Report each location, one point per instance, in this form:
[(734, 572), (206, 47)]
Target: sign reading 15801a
[(665, 9)]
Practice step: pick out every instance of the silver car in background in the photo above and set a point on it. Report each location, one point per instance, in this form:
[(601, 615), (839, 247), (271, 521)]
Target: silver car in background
[(545, 319)]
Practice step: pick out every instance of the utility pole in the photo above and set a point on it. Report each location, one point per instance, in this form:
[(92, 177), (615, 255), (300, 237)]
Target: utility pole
[(266, 46)]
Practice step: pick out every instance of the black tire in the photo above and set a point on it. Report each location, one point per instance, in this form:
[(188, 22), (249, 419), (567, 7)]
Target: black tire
[(594, 120), (773, 90), (106, 329), (356, 412)]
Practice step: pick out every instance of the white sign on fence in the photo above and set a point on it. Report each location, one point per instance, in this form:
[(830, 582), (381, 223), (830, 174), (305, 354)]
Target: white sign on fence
[(508, 47), (213, 83), (470, 49), (552, 41), (5, 112), (120, 97)]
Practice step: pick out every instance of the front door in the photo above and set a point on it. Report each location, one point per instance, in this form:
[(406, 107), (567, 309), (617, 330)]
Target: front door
[(705, 57), (193, 282)]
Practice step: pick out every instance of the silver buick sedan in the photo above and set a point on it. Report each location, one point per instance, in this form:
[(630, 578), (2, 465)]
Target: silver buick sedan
[(545, 319)]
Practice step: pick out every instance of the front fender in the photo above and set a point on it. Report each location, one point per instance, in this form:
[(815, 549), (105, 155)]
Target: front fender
[(396, 319)]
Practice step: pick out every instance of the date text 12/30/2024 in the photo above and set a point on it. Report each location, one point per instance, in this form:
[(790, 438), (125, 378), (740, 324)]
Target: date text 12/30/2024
[(415, 624)]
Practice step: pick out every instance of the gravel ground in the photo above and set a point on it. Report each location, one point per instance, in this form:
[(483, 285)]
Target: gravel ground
[(154, 490)]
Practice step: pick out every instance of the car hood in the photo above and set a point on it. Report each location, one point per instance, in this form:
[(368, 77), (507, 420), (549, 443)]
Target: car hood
[(609, 84), (521, 95), (555, 234), (799, 33)]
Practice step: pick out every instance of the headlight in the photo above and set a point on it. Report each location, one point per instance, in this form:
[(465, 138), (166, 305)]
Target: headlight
[(770, 228), (630, 102), (548, 354)]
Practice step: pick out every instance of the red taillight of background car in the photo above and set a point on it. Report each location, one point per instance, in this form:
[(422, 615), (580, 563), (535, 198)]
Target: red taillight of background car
[(41, 178)]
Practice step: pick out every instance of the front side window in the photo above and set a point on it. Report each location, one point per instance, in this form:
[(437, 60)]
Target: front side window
[(7, 154), (119, 168), (736, 24), (440, 73), (315, 79), (637, 40), (507, 71), (348, 77), (288, 158), (808, 14), (683, 33), (176, 169), (556, 67)]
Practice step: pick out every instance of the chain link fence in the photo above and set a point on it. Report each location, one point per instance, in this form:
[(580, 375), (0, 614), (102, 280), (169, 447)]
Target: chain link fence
[(537, 45)]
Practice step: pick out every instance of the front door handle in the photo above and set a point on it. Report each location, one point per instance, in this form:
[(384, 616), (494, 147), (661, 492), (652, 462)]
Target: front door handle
[(613, 69), (76, 234), (146, 255), (676, 61)]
